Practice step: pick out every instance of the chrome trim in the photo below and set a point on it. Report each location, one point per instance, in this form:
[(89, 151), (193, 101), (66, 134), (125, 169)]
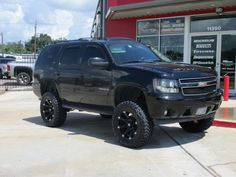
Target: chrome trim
[(211, 81), (199, 86), (199, 94), (197, 78)]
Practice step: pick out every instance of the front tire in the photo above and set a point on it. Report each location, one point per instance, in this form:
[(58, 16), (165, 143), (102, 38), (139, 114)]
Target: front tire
[(131, 125), (197, 126), (52, 113), (23, 78)]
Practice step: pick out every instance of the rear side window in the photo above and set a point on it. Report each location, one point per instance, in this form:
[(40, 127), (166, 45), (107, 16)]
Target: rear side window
[(71, 56), (48, 55)]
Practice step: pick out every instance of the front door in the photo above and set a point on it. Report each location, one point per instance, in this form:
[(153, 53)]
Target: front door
[(228, 60), (217, 51), (96, 82)]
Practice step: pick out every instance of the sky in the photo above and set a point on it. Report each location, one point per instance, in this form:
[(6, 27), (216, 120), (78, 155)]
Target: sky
[(71, 19)]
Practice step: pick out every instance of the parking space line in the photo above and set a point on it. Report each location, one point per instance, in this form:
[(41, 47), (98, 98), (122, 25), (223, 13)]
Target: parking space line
[(187, 152)]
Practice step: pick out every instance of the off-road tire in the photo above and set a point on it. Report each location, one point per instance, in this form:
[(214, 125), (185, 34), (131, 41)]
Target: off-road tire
[(197, 127), (105, 116), (52, 112), (23, 78), (142, 127)]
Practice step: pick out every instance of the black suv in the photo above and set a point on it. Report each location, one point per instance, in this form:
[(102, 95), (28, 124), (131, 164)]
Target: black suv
[(125, 80)]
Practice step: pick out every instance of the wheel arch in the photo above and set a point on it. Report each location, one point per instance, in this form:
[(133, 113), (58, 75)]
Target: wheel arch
[(20, 69), (131, 92), (48, 86)]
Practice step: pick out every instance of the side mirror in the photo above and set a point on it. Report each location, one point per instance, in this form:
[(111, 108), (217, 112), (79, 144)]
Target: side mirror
[(98, 62)]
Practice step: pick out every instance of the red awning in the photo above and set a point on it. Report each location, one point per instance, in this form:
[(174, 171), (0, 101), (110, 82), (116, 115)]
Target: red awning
[(157, 7)]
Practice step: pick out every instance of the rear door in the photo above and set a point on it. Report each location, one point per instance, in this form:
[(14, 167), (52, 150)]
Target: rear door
[(69, 72)]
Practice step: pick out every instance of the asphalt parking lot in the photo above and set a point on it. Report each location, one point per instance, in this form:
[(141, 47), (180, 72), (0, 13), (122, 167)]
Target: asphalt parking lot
[(85, 147)]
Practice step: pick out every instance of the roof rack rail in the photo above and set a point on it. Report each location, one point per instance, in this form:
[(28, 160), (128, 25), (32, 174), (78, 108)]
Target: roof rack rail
[(86, 39), (62, 41), (119, 38)]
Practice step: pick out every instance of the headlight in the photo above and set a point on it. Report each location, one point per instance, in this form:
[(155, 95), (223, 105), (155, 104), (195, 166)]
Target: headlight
[(166, 85)]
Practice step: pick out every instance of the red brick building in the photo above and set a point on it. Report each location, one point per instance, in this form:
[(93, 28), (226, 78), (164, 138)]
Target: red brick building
[(191, 31)]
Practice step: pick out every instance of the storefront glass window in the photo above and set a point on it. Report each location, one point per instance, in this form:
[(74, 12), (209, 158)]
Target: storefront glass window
[(167, 35), (172, 26), (148, 27), (153, 41), (216, 24), (173, 46)]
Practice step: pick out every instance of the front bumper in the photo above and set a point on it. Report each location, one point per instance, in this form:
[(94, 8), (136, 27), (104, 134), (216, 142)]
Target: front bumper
[(170, 111)]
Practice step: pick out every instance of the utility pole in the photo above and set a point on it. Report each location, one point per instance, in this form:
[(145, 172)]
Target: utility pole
[(35, 40), (2, 44)]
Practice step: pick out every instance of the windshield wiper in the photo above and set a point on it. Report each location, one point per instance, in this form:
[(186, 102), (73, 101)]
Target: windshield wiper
[(134, 61)]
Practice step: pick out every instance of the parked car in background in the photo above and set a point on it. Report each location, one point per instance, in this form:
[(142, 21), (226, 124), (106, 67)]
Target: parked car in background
[(21, 70), (3, 67)]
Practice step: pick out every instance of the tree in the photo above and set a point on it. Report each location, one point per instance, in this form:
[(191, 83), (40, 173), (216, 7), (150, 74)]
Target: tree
[(14, 47), (41, 42)]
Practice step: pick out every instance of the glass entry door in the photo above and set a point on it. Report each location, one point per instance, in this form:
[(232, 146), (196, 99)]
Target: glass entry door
[(228, 59), (204, 50)]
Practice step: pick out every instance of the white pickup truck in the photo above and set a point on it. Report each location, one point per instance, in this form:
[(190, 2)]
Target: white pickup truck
[(21, 70)]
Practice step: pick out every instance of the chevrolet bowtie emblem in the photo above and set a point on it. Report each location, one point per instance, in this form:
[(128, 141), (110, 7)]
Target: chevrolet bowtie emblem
[(202, 84)]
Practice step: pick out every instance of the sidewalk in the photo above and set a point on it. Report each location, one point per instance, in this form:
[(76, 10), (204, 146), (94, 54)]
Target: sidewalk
[(226, 115)]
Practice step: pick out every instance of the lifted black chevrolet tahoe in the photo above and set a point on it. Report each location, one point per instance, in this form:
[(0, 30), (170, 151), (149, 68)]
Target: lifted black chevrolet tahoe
[(127, 81)]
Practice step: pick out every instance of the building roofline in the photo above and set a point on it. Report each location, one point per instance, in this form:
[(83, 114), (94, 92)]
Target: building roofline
[(112, 11)]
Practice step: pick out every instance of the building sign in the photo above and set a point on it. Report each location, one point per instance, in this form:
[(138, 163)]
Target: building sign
[(228, 67), (172, 26), (203, 51), (217, 24)]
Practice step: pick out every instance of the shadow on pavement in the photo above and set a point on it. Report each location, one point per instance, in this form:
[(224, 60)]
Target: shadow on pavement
[(95, 126)]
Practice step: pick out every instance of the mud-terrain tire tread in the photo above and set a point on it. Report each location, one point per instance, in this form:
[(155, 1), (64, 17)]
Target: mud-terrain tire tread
[(145, 125), (59, 112)]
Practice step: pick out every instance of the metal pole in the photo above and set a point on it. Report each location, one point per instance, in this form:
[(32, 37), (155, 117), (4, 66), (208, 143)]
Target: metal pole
[(35, 35), (2, 44), (103, 18)]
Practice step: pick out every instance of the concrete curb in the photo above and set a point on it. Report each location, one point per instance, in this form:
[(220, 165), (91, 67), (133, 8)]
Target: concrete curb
[(225, 124)]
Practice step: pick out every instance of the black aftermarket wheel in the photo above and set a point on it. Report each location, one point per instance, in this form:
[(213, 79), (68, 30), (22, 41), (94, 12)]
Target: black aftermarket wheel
[(51, 110), (23, 78), (131, 125)]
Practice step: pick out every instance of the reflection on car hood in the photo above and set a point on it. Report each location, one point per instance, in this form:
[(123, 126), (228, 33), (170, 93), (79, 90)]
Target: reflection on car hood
[(175, 69)]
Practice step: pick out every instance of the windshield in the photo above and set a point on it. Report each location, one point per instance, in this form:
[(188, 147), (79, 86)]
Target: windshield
[(131, 52), (158, 53)]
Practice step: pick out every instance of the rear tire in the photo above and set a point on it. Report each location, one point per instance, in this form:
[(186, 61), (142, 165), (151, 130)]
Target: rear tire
[(23, 78), (131, 125), (198, 126), (52, 112)]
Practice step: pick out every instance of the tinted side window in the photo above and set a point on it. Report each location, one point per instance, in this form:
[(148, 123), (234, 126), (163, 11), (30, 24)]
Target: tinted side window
[(71, 56), (92, 52), (47, 56)]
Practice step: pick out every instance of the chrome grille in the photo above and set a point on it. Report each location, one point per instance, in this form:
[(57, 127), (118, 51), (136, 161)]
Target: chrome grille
[(198, 86)]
